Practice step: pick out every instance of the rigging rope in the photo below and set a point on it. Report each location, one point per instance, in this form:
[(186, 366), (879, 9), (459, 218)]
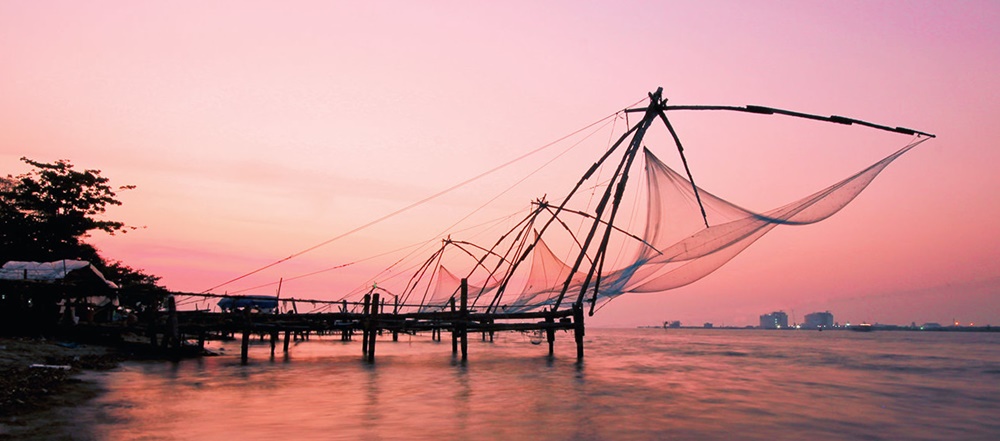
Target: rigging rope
[(415, 204)]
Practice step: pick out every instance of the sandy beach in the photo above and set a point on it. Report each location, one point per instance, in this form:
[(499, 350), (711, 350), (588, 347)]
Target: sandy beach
[(31, 398)]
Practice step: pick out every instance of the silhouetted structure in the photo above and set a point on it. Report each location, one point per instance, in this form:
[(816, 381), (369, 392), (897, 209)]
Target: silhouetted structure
[(774, 320), (818, 320), (35, 297)]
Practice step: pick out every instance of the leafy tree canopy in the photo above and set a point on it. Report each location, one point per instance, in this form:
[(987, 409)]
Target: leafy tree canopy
[(46, 213)]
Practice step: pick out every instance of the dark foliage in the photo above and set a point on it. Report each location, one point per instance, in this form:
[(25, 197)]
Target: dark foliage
[(46, 214)]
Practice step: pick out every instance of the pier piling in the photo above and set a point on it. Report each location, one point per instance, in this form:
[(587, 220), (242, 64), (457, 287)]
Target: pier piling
[(365, 332), (578, 330), (463, 322), (245, 346), (373, 326)]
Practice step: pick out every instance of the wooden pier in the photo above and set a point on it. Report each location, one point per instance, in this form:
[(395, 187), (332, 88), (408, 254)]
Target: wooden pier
[(372, 323)]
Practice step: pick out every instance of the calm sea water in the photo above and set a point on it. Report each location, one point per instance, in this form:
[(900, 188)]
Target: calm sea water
[(634, 384)]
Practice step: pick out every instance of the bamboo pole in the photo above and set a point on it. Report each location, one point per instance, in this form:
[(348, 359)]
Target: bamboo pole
[(550, 335), (373, 328), (454, 331), (245, 346), (364, 324), (463, 322), (174, 334), (395, 310), (274, 342), (578, 330)]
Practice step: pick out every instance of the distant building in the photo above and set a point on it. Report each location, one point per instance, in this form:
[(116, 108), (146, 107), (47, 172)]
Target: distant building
[(818, 320), (774, 320), (709, 324)]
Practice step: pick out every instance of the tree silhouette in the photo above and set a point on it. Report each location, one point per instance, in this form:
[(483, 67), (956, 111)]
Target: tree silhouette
[(46, 214)]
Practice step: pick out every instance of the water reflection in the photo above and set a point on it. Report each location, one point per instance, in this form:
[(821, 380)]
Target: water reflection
[(634, 384), (372, 393)]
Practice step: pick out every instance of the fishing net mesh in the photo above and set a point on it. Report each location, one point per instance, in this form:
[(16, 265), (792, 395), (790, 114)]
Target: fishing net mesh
[(677, 247)]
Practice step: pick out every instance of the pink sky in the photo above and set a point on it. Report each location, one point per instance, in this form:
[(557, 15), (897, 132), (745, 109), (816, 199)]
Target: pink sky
[(255, 130)]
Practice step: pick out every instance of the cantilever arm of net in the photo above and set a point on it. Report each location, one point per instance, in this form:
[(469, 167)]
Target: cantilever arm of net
[(762, 110)]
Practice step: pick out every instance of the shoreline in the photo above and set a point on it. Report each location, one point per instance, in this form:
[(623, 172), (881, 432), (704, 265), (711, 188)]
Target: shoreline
[(30, 397)]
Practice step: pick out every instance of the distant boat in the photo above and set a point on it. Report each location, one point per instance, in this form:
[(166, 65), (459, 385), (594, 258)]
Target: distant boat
[(863, 327)]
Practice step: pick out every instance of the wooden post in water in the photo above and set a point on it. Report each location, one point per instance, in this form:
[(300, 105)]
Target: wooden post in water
[(373, 328), (395, 310), (152, 316), (464, 320), (364, 324), (245, 346), (175, 338), (578, 330), (288, 335), (454, 330), (348, 333), (274, 341), (489, 333), (550, 333)]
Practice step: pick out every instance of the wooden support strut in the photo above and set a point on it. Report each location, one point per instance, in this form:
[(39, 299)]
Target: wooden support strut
[(620, 173), (373, 327), (550, 334), (463, 322), (454, 331), (153, 319), (274, 341), (173, 336), (395, 310), (578, 330), (245, 345), (593, 168), (364, 324)]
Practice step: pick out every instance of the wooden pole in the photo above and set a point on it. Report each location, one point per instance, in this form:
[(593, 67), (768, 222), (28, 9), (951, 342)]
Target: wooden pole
[(175, 338), (621, 175), (464, 320), (578, 330), (454, 331), (373, 328), (152, 315), (550, 334), (288, 335), (395, 310), (245, 346), (364, 324), (274, 341)]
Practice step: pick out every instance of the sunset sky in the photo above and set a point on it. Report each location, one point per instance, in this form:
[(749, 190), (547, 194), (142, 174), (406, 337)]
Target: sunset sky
[(255, 130)]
